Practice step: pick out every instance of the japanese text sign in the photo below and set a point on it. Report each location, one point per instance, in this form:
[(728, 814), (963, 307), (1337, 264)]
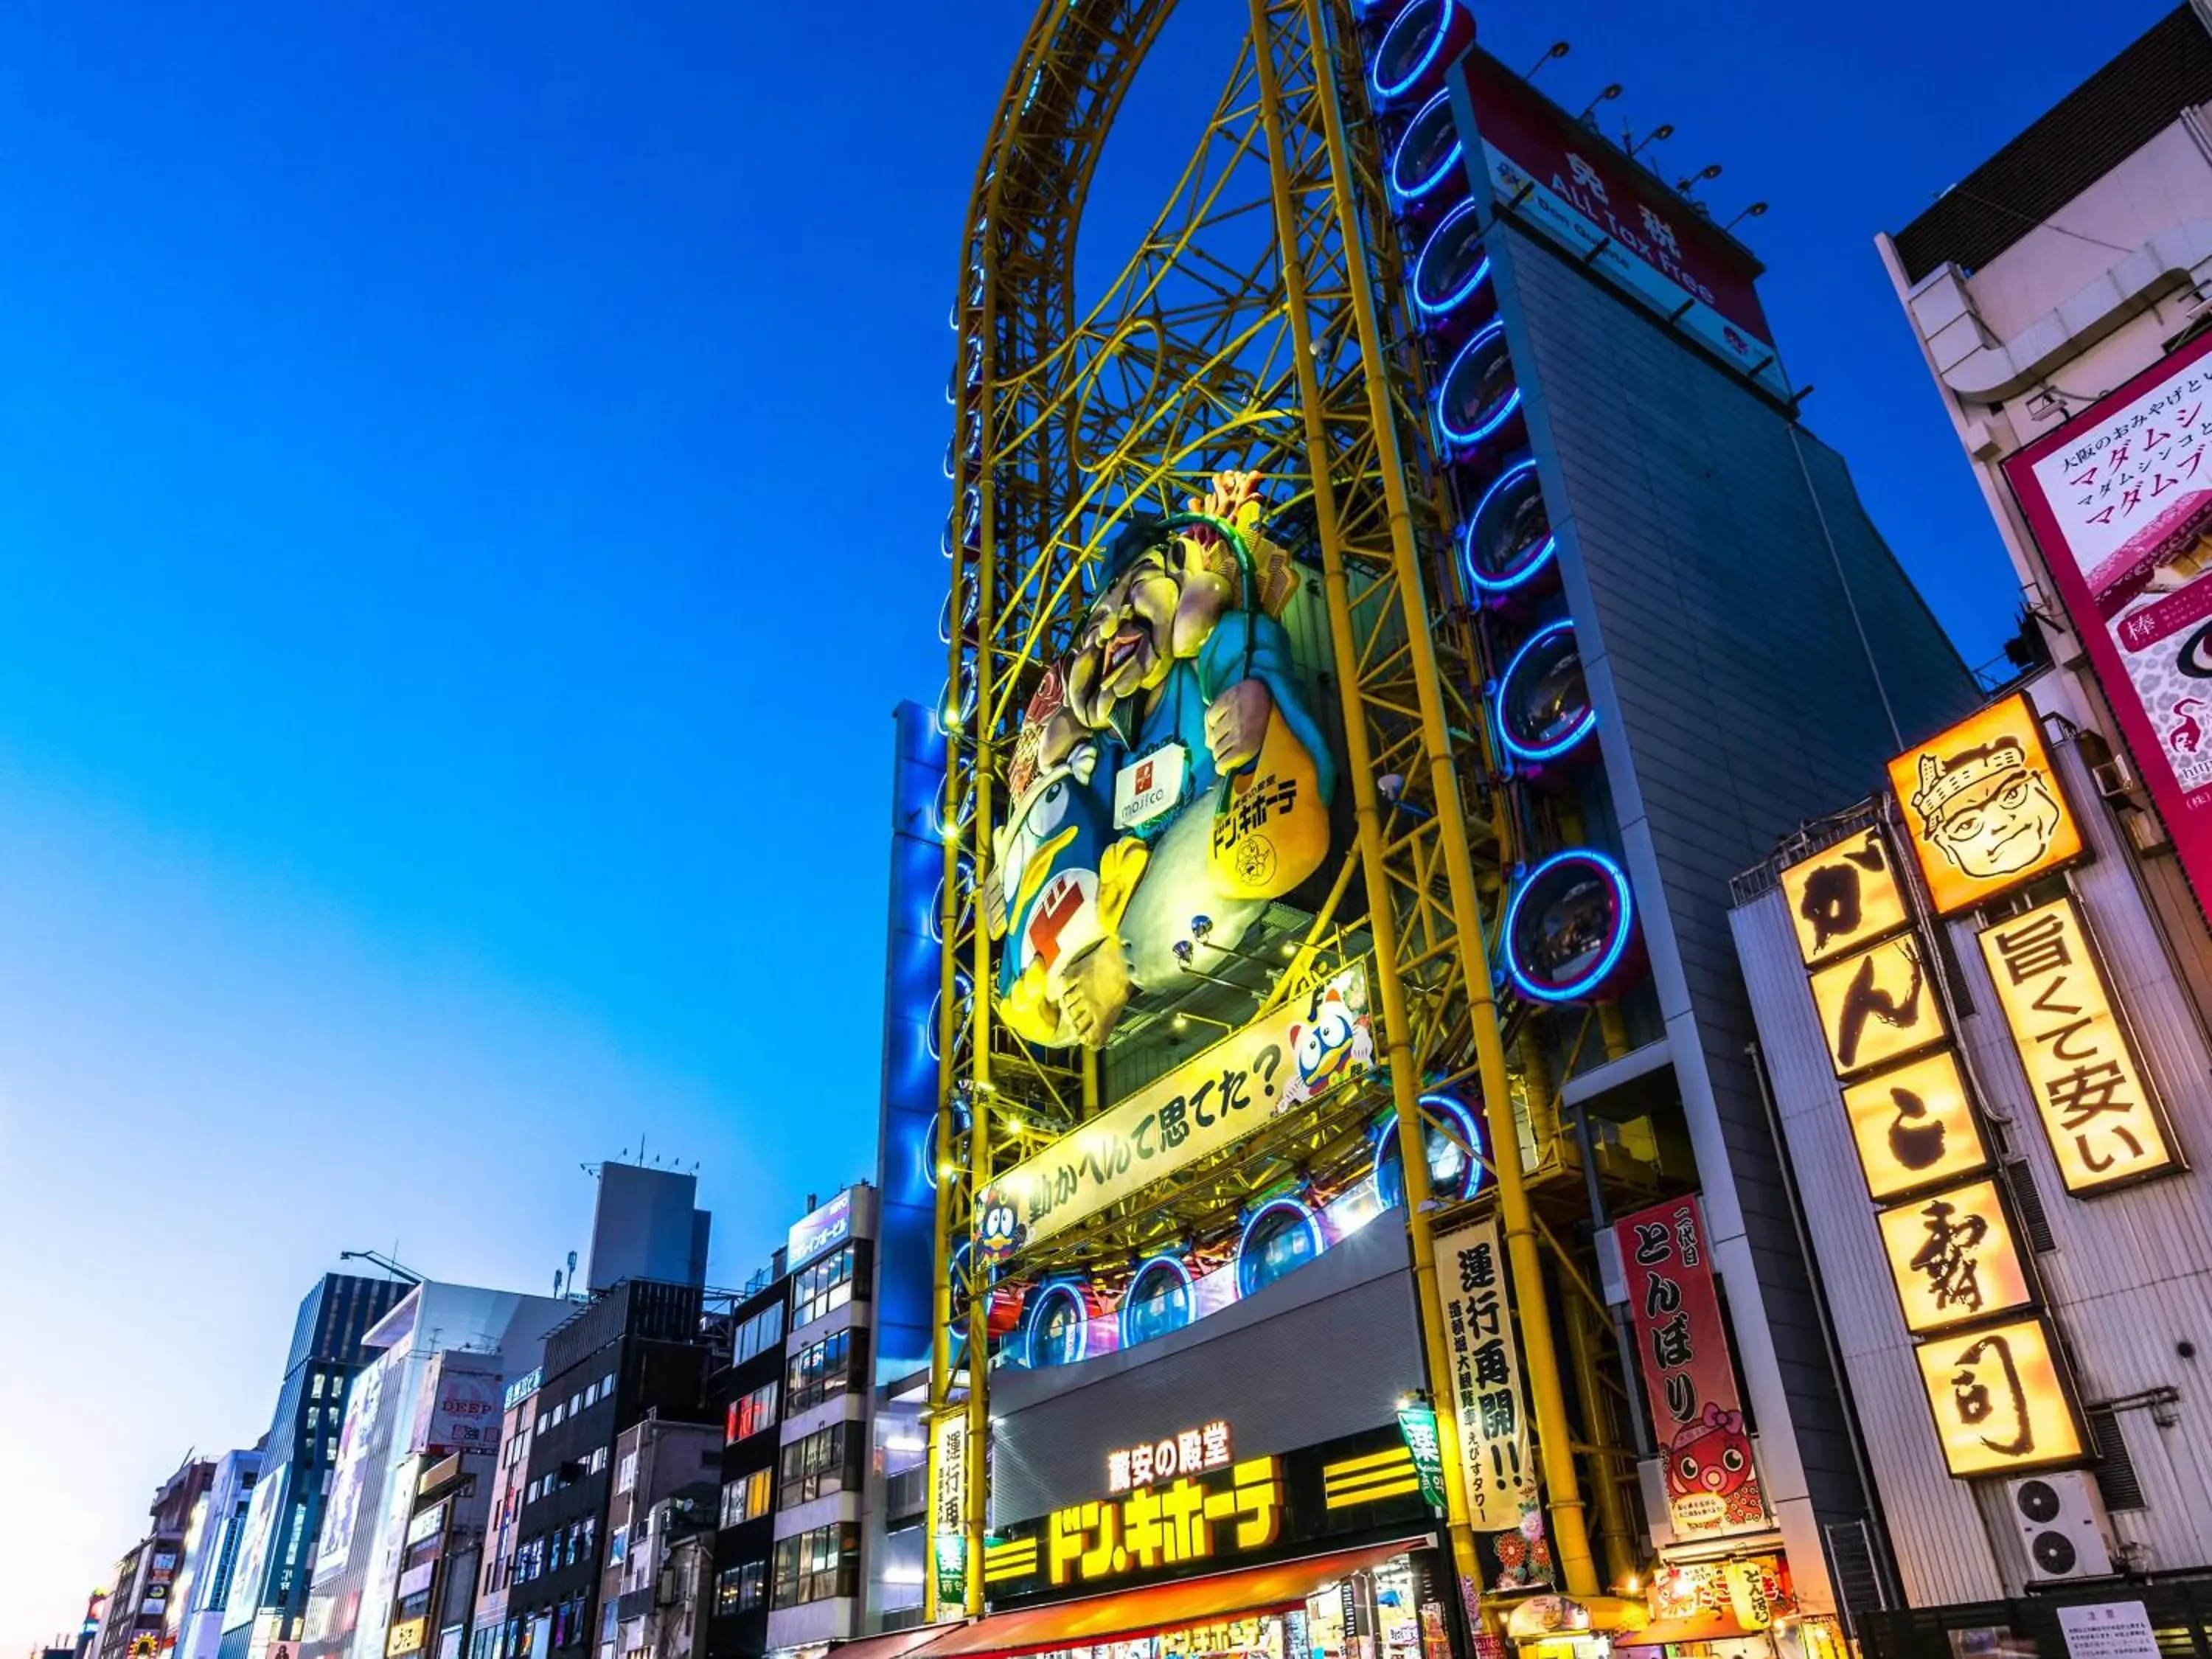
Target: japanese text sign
[(2095, 1103), (948, 1506), (1878, 1005), (1982, 806), (1954, 1257), (1712, 1485), (1167, 1525), (1202, 1106), (1844, 896), (1188, 1451), (1999, 1402), (1495, 1467), (1915, 1127), (2121, 508)]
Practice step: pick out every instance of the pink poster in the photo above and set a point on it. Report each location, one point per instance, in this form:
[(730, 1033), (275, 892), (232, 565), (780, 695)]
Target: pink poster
[(2121, 508)]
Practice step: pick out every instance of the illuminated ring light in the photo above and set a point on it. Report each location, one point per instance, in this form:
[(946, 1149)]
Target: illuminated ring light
[(1414, 45), (971, 517), (1579, 877), (1058, 1289), (1386, 1142), (1499, 552), (1426, 142), (1245, 1263), (1479, 387), (1452, 265), (944, 543), (964, 990), (934, 921), (952, 457), (949, 719), (1545, 674), (957, 1270), (1131, 1301)]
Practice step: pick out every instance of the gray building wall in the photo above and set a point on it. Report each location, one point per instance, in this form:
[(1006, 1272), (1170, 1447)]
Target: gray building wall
[(1754, 651), (647, 1225)]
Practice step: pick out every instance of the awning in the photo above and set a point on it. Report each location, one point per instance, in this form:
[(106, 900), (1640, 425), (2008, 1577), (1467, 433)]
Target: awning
[(1156, 1607), (1701, 1627), (896, 1645)]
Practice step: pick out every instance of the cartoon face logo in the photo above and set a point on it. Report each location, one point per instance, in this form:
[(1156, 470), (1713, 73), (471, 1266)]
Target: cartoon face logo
[(1055, 832), (998, 1234), (1324, 1049), (1711, 1456), (1160, 604), (1990, 813)]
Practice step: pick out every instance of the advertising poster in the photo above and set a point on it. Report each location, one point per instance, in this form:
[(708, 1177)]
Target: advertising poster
[(1689, 1378), (459, 1411), (1496, 1468), (351, 1472), (2122, 509)]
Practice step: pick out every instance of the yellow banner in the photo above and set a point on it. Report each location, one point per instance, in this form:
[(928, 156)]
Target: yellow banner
[(1211, 1100), (2096, 1104)]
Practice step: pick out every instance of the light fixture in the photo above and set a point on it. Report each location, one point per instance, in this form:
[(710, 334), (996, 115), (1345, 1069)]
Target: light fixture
[(1605, 97), (1659, 134), (1756, 211), (1559, 49), (1685, 185)]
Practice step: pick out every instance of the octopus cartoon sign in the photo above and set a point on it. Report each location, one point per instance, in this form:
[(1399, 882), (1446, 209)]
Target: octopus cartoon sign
[(1217, 1098), (1689, 1378), (1985, 810), (1169, 777), (2122, 509)]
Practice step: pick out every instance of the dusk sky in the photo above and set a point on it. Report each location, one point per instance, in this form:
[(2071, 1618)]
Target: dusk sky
[(469, 499)]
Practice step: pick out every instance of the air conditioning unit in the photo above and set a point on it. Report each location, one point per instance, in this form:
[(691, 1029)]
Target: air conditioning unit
[(2061, 1523)]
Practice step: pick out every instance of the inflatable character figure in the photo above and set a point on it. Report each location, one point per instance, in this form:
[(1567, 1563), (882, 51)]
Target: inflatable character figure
[(1178, 717)]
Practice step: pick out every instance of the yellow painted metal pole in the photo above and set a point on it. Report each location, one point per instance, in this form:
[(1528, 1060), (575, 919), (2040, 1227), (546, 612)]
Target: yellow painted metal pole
[(1404, 1065), (1562, 1489)]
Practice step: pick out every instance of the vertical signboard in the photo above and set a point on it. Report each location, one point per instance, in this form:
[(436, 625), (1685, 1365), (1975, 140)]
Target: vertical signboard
[(2121, 508), (1495, 1469), (948, 1507), (1681, 1348), (1982, 806), (2000, 1402), (2097, 1106)]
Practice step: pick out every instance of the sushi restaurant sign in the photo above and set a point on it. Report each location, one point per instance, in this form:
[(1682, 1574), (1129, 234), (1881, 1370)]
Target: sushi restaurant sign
[(1211, 1101)]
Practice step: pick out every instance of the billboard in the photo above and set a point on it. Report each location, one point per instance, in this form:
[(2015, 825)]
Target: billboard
[(459, 1411), (1982, 807), (1170, 777), (2123, 512)]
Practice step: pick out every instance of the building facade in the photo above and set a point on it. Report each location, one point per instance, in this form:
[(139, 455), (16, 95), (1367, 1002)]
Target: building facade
[(213, 1537), (749, 1393)]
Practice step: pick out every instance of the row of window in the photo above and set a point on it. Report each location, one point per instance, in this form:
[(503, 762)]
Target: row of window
[(583, 1399), (750, 1415), (563, 1547), (546, 1484), (741, 1590), (826, 1369), (823, 1288), (759, 1333), (747, 1498), (817, 1566)]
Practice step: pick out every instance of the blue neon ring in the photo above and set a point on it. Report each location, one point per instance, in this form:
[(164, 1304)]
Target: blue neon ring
[(1304, 1212), (1415, 193), (1129, 1301), (1623, 906), (1059, 1287), (1519, 573), (1386, 1130), (1494, 332), (1436, 45), (1440, 307), (1584, 726)]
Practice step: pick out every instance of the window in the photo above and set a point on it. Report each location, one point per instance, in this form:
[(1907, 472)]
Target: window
[(592, 1394), (606, 1385), (826, 1460), (1281, 1239), (823, 1288), (826, 1369), (544, 1422), (747, 1497), (1159, 1301), (617, 1546), (626, 1472), (817, 1565), (316, 1391), (588, 1548), (531, 1495), (599, 1460), (741, 1588), (575, 1403), (755, 1412), (760, 1332)]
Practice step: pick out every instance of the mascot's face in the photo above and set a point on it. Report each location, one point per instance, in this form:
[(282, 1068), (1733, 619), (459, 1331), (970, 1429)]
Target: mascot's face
[(1000, 1232), (1324, 1047), (2000, 827), (1161, 607), (1713, 1455)]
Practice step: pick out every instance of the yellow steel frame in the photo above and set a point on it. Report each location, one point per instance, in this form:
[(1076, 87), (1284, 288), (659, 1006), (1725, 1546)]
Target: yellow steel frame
[(1257, 326)]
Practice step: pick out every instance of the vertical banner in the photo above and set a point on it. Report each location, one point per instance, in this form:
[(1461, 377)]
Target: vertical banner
[(2122, 509), (1712, 1485), (948, 1510), (1495, 1467)]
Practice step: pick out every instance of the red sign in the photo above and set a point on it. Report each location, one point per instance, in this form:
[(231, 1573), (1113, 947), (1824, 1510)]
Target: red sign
[(2121, 506), (1640, 214), (1712, 1485)]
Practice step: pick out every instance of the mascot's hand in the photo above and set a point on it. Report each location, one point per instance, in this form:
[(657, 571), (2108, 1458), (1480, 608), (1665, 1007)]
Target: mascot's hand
[(1094, 990), (1027, 1009), (1235, 722), (1118, 871), (1234, 496)]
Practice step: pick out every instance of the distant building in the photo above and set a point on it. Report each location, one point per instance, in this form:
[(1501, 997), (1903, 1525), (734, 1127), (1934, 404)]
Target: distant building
[(647, 1225), (661, 1540), (136, 1623), (490, 1638), (268, 1592), (748, 1392), (212, 1538)]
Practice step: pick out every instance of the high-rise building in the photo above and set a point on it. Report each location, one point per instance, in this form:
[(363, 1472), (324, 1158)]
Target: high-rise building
[(141, 1619), (269, 1585), (646, 1224), (749, 1393), (212, 1539), (489, 1638)]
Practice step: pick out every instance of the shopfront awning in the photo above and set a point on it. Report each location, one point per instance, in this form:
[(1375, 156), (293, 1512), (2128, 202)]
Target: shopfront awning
[(896, 1645), (1156, 1607), (1702, 1627)]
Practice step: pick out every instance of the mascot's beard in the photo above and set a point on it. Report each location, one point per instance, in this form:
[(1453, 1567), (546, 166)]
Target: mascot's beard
[(1176, 886)]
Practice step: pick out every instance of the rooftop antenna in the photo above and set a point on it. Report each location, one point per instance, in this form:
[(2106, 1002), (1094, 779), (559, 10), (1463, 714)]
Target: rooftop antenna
[(377, 1258), (1559, 49)]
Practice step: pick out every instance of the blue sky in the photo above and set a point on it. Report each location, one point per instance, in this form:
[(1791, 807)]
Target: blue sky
[(469, 493)]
